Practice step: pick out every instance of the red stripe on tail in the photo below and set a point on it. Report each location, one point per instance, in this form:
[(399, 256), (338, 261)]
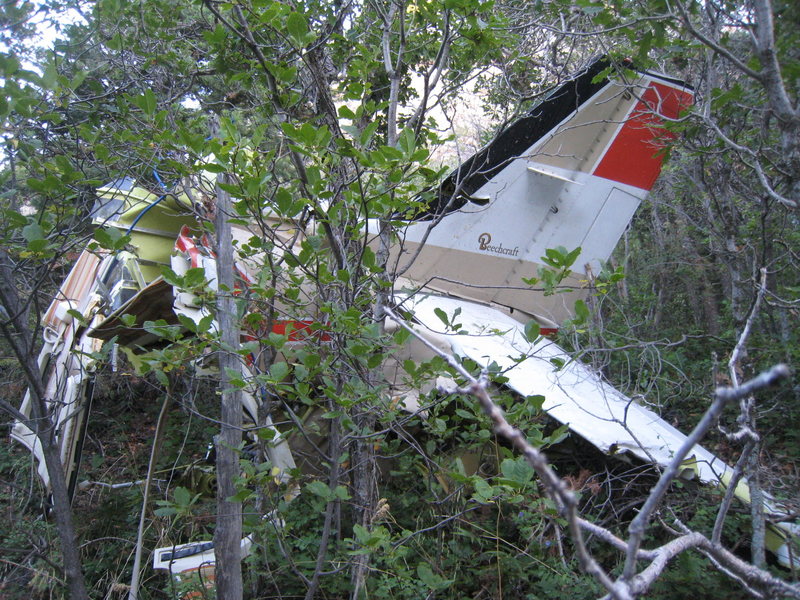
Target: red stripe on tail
[(633, 157)]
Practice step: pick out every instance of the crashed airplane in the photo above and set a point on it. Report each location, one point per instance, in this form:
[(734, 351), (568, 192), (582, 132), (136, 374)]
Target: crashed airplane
[(570, 173)]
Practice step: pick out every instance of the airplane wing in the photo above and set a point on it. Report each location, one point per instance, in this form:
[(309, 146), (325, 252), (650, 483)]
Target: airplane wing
[(66, 362), (578, 397)]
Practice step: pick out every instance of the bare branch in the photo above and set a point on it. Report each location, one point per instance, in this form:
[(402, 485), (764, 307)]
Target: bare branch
[(630, 584), (722, 396), (557, 489), (718, 48)]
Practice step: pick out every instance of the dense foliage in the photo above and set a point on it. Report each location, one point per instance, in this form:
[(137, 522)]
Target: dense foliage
[(332, 110)]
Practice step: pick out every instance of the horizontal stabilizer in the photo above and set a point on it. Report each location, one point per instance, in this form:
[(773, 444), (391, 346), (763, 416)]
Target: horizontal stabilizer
[(578, 397)]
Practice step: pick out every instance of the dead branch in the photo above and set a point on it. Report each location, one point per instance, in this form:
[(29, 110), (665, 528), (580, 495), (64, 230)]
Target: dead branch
[(631, 584)]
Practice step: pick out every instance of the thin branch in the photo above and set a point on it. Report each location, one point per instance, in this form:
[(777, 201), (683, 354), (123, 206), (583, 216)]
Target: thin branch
[(722, 396), (764, 43), (730, 491), (155, 451), (631, 584), (719, 49), (557, 488)]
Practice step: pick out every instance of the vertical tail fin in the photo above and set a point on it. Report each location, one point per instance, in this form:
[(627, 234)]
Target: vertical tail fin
[(570, 173)]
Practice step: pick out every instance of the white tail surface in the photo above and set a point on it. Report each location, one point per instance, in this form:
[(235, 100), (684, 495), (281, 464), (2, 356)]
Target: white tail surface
[(571, 173)]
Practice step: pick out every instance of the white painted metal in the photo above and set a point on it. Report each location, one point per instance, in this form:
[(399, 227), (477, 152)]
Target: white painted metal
[(575, 395), (530, 211)]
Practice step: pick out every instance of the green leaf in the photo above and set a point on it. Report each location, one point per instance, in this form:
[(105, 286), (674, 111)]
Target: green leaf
[(111, 238), (483, 491), (37, 246), (16, 219), (241, 496), (535, 401), (205, 324), (194, 278), (37, 186), (266, 433), (431, 579), (464, 414), (289, 130), (162, 377), (32, 232), (276, 340), (50, 76), (146, 102), (420, 155), (214, 168), (307, 133), (78, 79), (570, 258), (286, 74), (77, 316), (162, 329), (370, 538), (552, 258), (233, 373), (235, 378), (517, 469), (278, 371), (346, 113), (366, 135), (188, 323), (532, 329), (149, 101), (182, 496), (406, 141), (391, 153), (559, 435), (581, 312), (400, 336), (320, 489), (297, 27), (171, 277), (165, 511)]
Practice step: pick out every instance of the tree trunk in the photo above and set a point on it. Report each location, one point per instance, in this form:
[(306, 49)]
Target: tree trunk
[(17, 333), (62, 512), (228, 534)]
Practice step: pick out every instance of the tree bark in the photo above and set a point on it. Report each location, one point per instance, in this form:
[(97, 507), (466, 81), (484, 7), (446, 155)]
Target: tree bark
[(228, 534), (14, 327)]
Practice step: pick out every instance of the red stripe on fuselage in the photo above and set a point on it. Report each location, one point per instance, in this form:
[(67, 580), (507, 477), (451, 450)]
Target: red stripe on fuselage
[(633, 157), (297, 330), (185, 244)]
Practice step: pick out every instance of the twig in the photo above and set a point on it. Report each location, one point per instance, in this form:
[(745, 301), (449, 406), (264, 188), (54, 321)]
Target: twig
[(151, 466), (733, 361), (730, 492), (722, 396), (747, 428)]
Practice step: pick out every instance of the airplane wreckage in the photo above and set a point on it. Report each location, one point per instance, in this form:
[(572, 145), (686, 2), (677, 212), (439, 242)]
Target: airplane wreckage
[(570, 173)]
